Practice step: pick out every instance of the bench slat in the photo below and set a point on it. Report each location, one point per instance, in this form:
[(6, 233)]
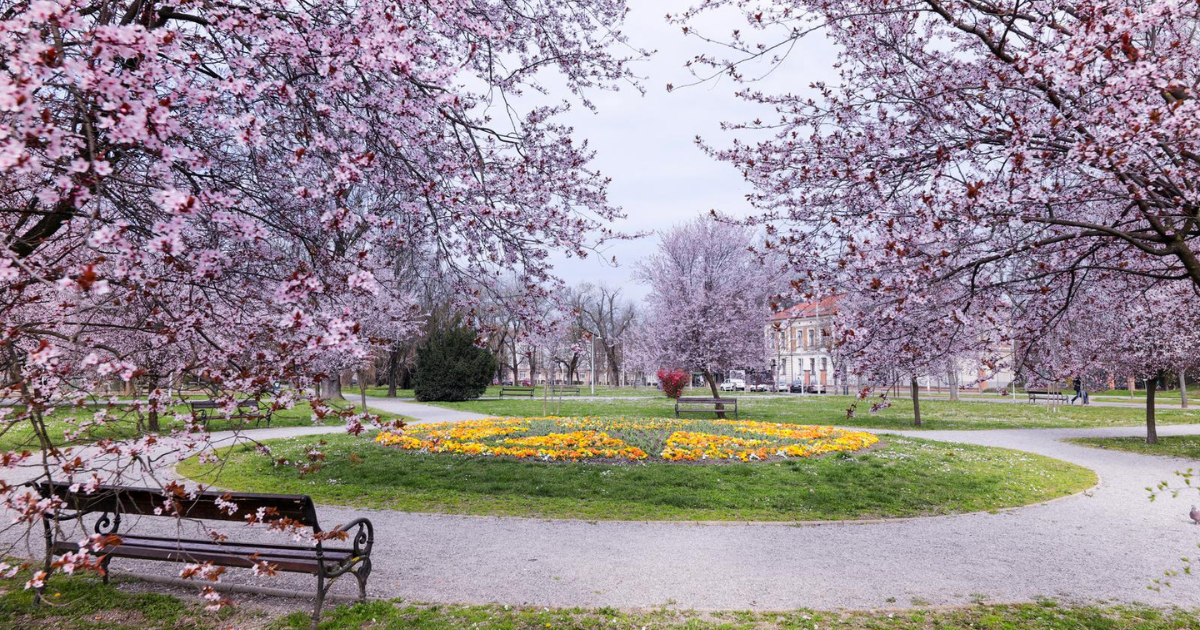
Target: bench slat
[(215, 556), (243, 548), (710, 405)]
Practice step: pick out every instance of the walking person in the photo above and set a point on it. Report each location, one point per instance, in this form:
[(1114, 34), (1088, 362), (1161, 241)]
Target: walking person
[(1079, 392)]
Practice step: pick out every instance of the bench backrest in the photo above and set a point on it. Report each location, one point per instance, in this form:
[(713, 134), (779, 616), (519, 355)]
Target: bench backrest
[(203, 505), (701, 399)]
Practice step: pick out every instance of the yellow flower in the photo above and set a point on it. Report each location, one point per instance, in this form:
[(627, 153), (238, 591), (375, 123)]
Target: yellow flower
[(592, 438)]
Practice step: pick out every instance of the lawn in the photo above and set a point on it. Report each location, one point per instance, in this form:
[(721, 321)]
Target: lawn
[(1167, 395), (1185, 446), (85, 604), (21, 435), (831, 410), (900, 477)]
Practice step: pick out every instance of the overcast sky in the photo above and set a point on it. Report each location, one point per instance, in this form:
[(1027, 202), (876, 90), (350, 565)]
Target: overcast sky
[(646, 143)]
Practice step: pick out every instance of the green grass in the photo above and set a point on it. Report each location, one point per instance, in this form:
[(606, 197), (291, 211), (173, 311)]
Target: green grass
[(1185, 446), (831, 410), (378, 392), (1169, 395), (20, 435), (85, 604), (902, 477)]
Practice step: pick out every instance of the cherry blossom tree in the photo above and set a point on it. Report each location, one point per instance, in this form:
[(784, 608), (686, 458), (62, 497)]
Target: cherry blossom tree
[(1152, 334), (991, 151), (218, 190), (709, 299), (884, 340)]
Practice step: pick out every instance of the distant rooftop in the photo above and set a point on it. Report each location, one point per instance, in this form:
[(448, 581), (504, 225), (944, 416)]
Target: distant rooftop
[(817, 308)]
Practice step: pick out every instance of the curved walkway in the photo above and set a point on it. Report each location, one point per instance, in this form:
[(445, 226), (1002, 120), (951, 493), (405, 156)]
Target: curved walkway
[(1107, 544)]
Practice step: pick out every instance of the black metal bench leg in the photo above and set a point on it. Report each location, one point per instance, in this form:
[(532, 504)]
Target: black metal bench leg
[(104, 568), (322, 588), (361, 574)]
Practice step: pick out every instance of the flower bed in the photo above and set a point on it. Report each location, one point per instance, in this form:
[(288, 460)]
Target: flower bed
[(628, 439)]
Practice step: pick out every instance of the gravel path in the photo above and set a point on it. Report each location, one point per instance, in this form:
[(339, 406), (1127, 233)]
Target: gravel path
[(422, 413), (1107, 544)]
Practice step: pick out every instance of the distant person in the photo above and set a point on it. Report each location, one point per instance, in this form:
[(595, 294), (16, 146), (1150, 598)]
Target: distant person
[(1079, 391)]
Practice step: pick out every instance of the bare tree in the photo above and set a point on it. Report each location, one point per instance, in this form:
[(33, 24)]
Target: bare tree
[(608, 318)]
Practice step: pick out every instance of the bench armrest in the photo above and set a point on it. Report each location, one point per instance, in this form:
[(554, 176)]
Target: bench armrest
[(362, 537)]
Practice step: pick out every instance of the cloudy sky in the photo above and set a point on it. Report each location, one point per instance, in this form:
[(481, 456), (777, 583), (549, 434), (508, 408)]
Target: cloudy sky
[(646, 143)]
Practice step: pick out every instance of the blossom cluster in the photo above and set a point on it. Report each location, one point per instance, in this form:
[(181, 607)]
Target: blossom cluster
[(628, 439), (238, 196)]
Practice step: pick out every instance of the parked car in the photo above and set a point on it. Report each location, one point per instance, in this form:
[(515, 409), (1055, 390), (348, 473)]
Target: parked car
[(797, 387), (762, 387), (733, 385), (783, 386)]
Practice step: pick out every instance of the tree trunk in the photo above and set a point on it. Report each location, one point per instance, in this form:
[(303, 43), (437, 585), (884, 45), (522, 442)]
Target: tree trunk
[(1151, 430), (712, 385), (916, 393), (362, 390), (1183, 389), (331, 388), (954, 385), (516, 366), (614, 368), (152, 415), (545, 388), (392, 367)]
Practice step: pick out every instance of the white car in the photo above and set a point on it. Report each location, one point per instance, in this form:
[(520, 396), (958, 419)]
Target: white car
[(783, 386), (733, 385), (762, 387)]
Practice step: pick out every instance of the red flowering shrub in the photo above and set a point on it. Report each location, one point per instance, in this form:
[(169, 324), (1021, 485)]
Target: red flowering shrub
[(673, 382)]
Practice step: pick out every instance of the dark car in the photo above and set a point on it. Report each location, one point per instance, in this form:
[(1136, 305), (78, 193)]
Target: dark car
[(797, 386)]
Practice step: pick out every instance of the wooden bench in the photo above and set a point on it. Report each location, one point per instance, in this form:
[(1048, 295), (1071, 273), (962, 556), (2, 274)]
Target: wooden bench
[(248, 409), (699, 404), (527, 392), (1046, 394), (557, 390), (294, 511)]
